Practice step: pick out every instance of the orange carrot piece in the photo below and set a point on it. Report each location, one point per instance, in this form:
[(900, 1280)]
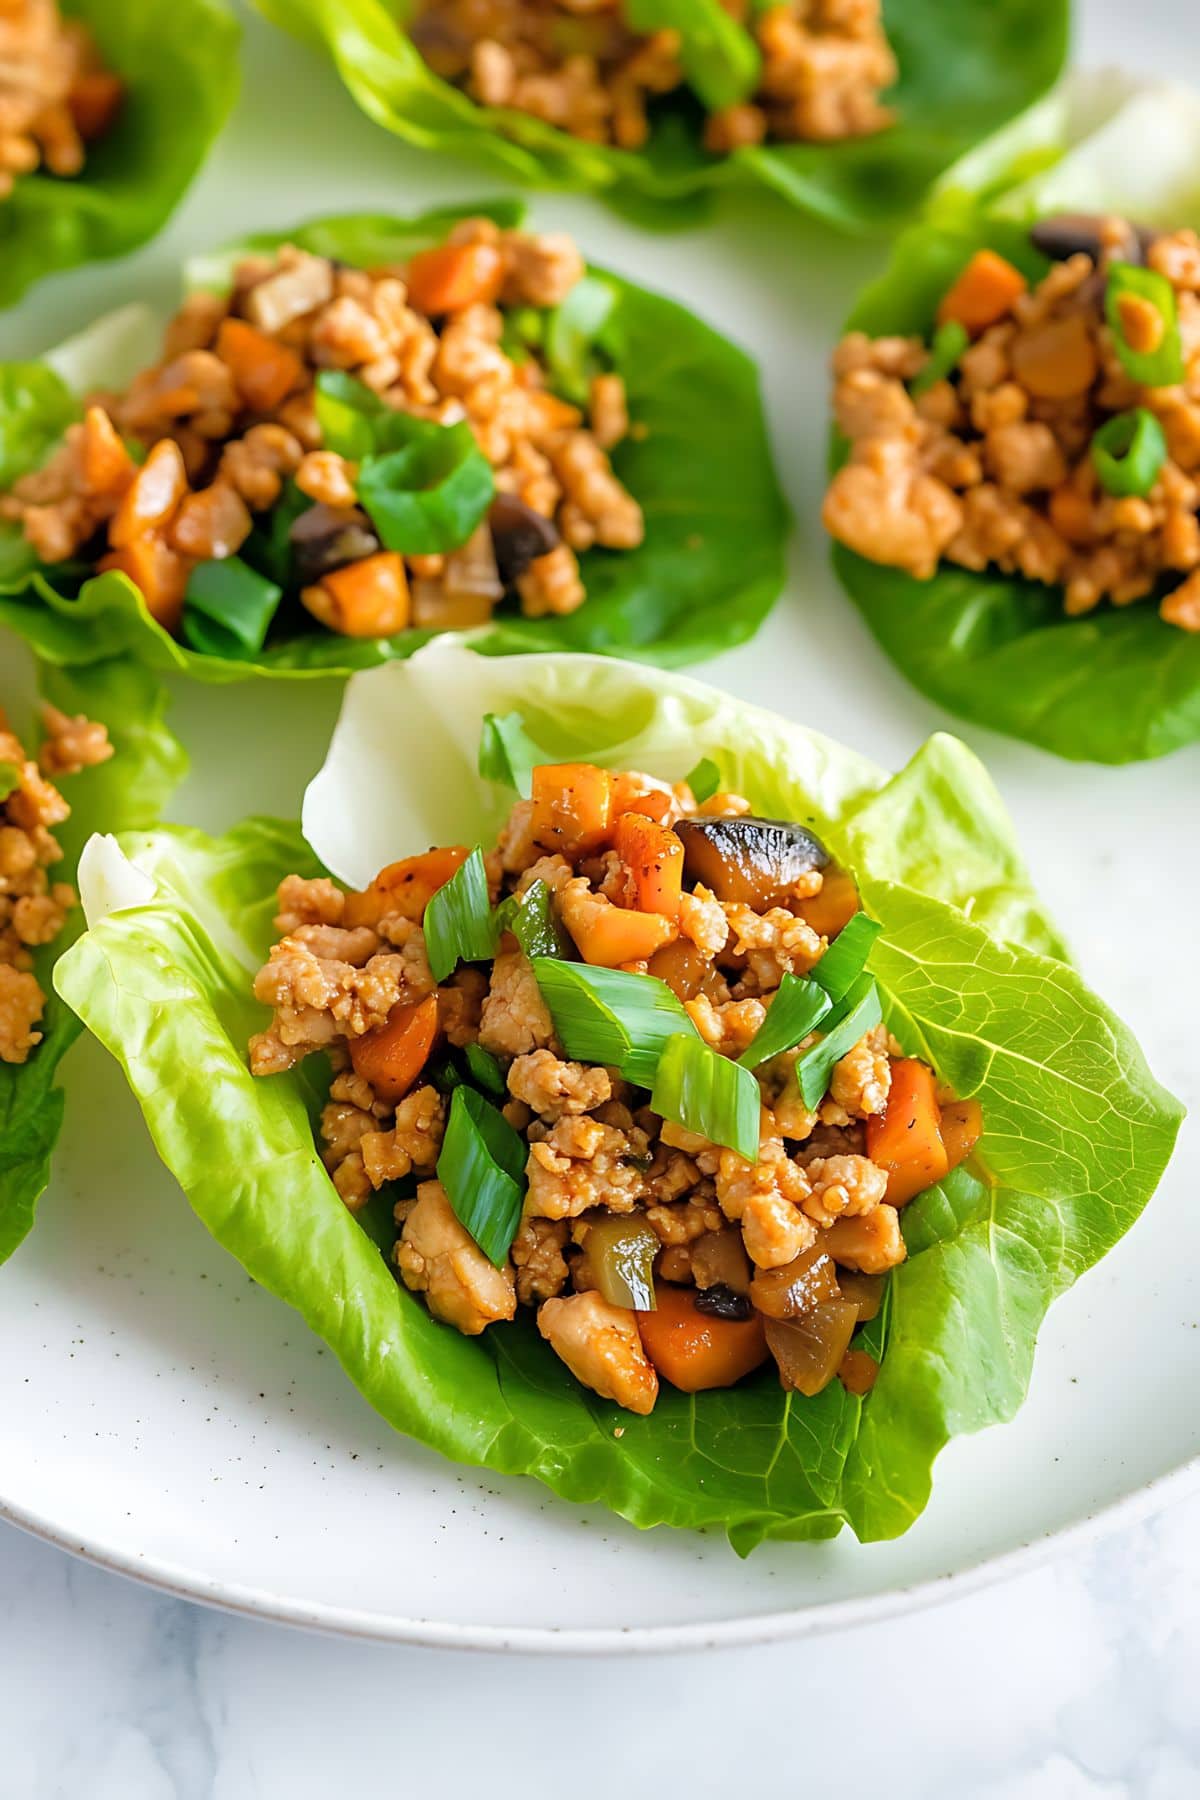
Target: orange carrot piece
[(612, 936), (405, 887), (455, 276), (265, 372), (158, 572), (152, 495), (983, 293), (1071, 514), (94, 102), (392, 1056), (906, 1139), (106, 464), (693, 1350), (833, 906), (654, 857), (572, 807), (962, 1128), (365, 599)]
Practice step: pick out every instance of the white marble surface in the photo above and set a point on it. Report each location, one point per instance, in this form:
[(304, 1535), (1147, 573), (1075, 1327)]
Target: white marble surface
[(1076, 1679)]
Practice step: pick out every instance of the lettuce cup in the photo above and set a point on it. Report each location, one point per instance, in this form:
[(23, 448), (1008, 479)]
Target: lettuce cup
[(368, 431), (703, 1126), (848, 112), (110, 108), (1016, 506)]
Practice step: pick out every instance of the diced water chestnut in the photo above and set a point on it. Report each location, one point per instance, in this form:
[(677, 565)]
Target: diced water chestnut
[(809, 1350)]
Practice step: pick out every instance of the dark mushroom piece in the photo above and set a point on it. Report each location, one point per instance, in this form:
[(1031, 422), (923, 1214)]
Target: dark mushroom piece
[(1063, 235), (749, 861), (720, 1302), (519, 536), (326, 538)]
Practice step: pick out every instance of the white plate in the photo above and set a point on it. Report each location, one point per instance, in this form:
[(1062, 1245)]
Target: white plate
[(165, 1417)]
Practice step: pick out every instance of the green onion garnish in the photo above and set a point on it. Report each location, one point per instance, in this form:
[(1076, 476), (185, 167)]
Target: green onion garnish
[(706, 1093), (236, 599), (428, 496), (798, 1007), (574, 332), (1128, 452), (611, 1017), (533, 922), (846, 957), (859, 1013), (1163, 366), (349, 414), (507, 753), (10, 779), (704, 780), (721, 61), (949, 342), (459, 923), (446, 1075), (486, 1070), (482, 1168)]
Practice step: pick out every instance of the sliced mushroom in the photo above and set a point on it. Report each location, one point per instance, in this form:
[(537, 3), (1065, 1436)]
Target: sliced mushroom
[(749, 861), (1068, 234), (519, 536), (326, 538)]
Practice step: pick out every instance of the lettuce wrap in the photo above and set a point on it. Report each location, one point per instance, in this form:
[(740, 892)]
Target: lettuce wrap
[(179, 68), (1077, 1132), (709, 569), (1119, 684), (963, 72)]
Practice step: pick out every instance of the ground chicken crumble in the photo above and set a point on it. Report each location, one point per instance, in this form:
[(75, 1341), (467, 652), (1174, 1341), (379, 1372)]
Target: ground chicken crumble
[(992, 467), (55, 94), (33, 908), (577, 65), (228, 419), (597, 1153)]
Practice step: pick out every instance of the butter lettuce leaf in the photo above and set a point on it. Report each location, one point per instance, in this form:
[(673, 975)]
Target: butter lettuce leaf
[(1078, 1132), (963, 72), (1117, 685), (180, 68)]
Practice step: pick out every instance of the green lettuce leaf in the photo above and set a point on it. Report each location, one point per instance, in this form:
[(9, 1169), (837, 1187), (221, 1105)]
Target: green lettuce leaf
[(1078, 1132), (127, 791), (179, 64), (1118, 685), (710, 568), (964, 70)]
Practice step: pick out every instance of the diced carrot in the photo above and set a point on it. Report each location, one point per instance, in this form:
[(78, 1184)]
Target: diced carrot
[(106, 464), (1056, 360), (405, 887), (833, 906), (655, 804), (152, 495), (572, 806), (366, 599), (962, 1128), (611, 936), (694, 1350), (265, 372), (983, 293), (906, 1139), (158, 572), (455, 276), (1071, 514), (654, 857), (94, 102), (392, 1056)]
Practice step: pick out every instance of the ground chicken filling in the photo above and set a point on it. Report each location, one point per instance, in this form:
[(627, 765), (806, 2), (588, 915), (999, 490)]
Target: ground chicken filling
[(740, 1260), (576, 64), (1063, 441), (228, 418), (33, 909), (56, 97)]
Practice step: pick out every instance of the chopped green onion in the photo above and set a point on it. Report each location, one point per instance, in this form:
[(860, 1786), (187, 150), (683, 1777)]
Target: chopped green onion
[(269, 546), (486, 1070), (234, 597), (704, 780), (524, 331), (949, 342), (1128, 452), (533, 922), (10, 779), (720, 58), (459, 924), (611, 1017), (846, 957), (1163, 366), (860, 1012), (620, 1256), (482, 1168), (446, 1075), (573, 334), (349, 415), (706, 1093), (507, 753), (797, 1009), (428, 496)]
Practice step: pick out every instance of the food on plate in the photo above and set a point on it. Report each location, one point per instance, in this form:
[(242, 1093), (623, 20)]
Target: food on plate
[(107, 108), (850, 109), (702, 1125), (1015, 501), (811, 69)]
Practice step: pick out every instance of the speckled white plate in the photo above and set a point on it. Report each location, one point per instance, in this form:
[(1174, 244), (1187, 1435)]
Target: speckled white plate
[(164, 1417)]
